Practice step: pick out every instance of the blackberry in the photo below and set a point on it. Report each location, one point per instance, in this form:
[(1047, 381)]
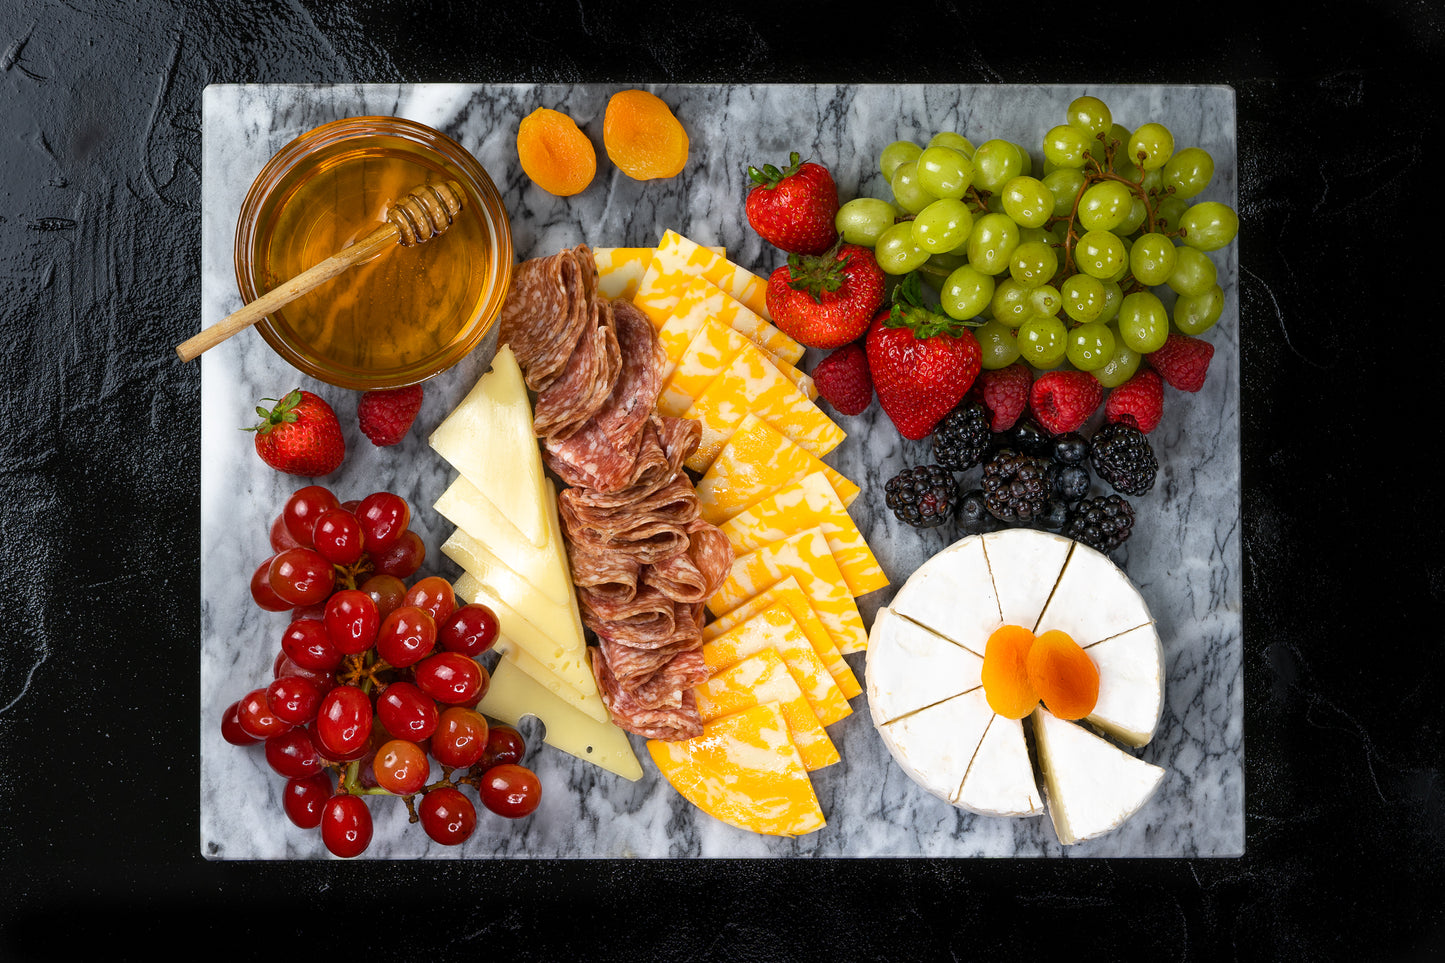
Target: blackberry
[(1071, 483), (973, 514), (923, 497), (1071, 449), (1017, 485), (963, 438), (1103, 523), (1122, 457)]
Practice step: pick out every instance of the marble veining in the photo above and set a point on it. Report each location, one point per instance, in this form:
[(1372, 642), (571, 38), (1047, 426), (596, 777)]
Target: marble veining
[(1184, 555)]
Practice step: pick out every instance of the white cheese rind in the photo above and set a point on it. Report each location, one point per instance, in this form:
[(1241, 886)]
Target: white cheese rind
[(935, 745), (910, 667), (1094, 599), (953, 594), (1092, 785), (1131, 685), (1025, 565), (1000, 780)]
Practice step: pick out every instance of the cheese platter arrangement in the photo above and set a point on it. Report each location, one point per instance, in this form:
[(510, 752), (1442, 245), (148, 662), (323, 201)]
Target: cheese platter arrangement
[(606, 536)]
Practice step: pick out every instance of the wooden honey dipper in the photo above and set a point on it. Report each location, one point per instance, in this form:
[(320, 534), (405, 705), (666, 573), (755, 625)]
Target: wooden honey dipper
[(421, 215)]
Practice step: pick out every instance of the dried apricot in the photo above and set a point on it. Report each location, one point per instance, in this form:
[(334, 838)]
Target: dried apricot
[(1063, 674), (642, 136), (555, 153), (1006, 683)]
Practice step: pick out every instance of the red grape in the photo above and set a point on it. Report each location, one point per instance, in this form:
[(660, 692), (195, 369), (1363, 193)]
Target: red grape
[(351, 621), (231, 730), (284, 666), (303, 799), (403, 558), (471, 630), (504, 744), (346, 825), (460, 737), (306, 643), (281, 537), (261, 591), (434, 595), (303, 612), (387, 591), (450, 678), (302, 510), (510, 790), (384, 516), (343, 723), (294, 699), (301, 576), (447, 816), (338, 536), (401, 767), (407, 636), (406, 712), (255, 717), (293, 754)]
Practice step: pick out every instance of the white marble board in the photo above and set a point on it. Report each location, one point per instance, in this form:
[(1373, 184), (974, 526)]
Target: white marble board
[(1184, 554)]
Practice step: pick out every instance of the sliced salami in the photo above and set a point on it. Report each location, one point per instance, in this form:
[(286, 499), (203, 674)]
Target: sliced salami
[(585, 383), (548, 303)]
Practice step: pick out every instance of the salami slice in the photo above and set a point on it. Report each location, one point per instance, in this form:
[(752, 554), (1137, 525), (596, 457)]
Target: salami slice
[(548, 303), (584, 384), (667, 722)]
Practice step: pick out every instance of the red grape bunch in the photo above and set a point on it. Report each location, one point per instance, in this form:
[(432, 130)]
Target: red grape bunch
[(375, 680)]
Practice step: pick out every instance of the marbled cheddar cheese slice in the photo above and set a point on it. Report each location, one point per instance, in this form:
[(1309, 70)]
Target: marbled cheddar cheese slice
[(696, 354), (745, 771), (676, 260), (700, 298), (752, 384), (776, 629), (806, 556), (619, 269), (757, 461), (763, 677), (807, 503), (789, 594), (514, 694)]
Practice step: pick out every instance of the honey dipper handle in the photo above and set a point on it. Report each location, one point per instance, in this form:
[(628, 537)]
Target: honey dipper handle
[(282, 295)]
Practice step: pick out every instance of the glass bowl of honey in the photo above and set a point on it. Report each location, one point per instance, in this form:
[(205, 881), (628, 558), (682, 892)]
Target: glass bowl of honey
[(404, 315)]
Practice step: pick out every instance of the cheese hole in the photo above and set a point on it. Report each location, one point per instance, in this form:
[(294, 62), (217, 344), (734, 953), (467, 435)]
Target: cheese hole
[(1006, 683), (1064, 676)]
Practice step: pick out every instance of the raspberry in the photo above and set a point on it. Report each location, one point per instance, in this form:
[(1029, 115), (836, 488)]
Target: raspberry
[(1182, 362), (1138, 401), (842, 380), (386, 416), (1063, 400), (1006, 392)]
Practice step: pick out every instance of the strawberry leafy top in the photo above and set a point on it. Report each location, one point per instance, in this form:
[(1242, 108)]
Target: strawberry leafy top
[(283, 414), (769, 176), (910, 311)]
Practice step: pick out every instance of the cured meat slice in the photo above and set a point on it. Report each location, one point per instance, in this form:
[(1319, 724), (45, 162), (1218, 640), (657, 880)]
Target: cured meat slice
[(582, 388), (606, 574), (693, 575), (669, 723), (548, 303)]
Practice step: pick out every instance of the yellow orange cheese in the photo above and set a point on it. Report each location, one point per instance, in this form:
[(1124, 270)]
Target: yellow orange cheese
[(763, 677), (757, 461), (619, 269), (807, 503), (700, 299), (789, 594), (776, 629), (745, 771), (675, 260), (806, 556), (713, 346)]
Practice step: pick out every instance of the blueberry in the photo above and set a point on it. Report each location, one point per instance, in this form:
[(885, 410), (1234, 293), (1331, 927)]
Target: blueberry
[(1031, 439), (1071, 449), (973, 515), (1071, 483)]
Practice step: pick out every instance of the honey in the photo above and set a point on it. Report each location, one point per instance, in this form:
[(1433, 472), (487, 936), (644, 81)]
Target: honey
[(405, 314)]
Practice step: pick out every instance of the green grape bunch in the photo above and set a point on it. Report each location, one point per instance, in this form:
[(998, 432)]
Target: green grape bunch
[(1094, 262)]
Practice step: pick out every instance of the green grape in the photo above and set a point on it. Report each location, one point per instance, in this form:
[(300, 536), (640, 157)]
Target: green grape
[(1038, 235), (1168, 212), (1027, 158), (943, 225), (1193, 274), (1104, 206), (1143, 322), (1197, 313), (941, 265), (1010, 303), (1118, 276), (1045, 299), (907, 192), (1065, 186), (1115, 141), (1113, 297), (1120, 367), (1090, 346), (1151, 259), (895, 251), (863, 219), (947, 138), (1132, 221), (898, 152), (1151, 146), (966, 293), (1066, 146), (995, 163), (1083, 297), (1033, 263), (1089, 114), (992, 243), (1188, 172), (998, 345), (1043, 341), (1208, 226), (1100, 254), (1027, 201), (944, 172)]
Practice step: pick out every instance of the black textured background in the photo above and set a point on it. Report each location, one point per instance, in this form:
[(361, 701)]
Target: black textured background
[(1339, 156)]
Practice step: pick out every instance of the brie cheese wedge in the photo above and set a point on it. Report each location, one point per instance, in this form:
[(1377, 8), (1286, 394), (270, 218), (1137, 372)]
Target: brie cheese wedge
[(1092, 785)]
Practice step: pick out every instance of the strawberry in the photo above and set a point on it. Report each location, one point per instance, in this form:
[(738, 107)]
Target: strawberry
[(1063, 400), (794, 208), (1005, 391), (386, 416), (923, 363), (828, 300), (300, 436), (1182, 362), (842, 380), (1138, 401)]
